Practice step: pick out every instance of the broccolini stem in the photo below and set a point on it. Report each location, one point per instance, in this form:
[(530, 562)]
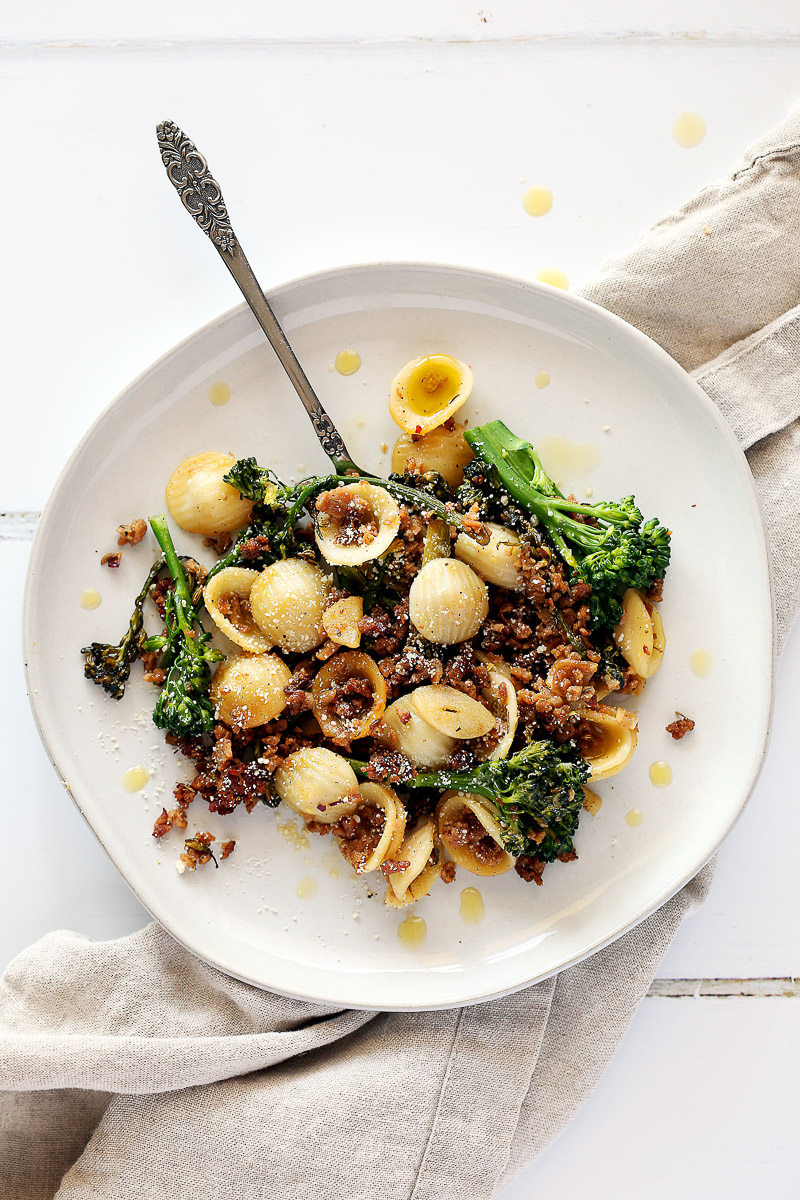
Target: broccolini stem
[(163, 537), (457, 780)]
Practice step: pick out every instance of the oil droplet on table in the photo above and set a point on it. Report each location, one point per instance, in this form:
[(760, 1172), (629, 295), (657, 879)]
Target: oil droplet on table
[(660, 774), (542, 379), (554, 277), (591, 801), (472, 907), (564, 459), (90, 598), (411, 932), (701, 662), (689, 129), (307, 887), (347, 362), (134, 779), (634, 817), (219, 393), (537, 200)]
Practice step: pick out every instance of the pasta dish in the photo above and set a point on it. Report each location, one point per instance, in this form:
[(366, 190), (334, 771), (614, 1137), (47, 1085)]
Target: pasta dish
[(424, 667)]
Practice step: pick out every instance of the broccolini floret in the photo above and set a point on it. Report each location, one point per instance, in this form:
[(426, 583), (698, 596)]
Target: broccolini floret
[(613, 549), (537, 792), (184, 705), (110, 666)]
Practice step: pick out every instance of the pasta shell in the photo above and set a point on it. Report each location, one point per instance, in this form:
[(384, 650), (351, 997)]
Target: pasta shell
[(361, 711), (230, 590), (419, 850), (640, 634), (447, 601), (497, 562), (461, 813), (340, 621), (380, 824), (287, 601), (198, 499), (247, 689), (443, 450), (355, 523), (607, 739), (404, 729), (452, 712), (317, 783), (501, 698), (427, 391)]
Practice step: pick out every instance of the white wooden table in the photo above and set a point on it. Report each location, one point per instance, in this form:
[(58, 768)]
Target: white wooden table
[(373, 133)]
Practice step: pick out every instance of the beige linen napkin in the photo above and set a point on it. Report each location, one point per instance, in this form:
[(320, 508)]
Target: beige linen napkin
[(132, 1069)]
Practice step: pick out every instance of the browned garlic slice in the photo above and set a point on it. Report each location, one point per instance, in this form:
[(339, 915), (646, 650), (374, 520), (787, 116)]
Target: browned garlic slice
[(340, 621)]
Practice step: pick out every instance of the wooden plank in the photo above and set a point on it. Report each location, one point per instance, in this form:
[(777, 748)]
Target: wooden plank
[(698, 1101)]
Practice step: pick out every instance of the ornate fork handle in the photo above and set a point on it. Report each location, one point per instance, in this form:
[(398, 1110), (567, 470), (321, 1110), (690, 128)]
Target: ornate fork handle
[(188, 172)]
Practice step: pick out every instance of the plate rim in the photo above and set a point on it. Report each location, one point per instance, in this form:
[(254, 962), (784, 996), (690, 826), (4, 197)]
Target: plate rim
[(329, 275)]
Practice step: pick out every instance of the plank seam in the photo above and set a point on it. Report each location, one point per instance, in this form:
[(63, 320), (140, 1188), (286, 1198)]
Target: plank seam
[(721, 989)]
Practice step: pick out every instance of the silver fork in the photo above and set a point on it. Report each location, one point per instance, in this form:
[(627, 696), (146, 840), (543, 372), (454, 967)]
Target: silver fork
[(188, 172)]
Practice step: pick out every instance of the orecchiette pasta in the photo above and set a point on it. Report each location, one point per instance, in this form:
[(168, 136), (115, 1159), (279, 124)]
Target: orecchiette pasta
[(346, 712), (318, 783), (452, 712), (607, 738), (200, 501), (497, 562), (287, 601), (447, 602), (340, 621), (443, 450), (378, 826), (227, 601), (472, 834), (355, 523), (404, 729), (640, 634), (501, 699), (421, 852), (247, 689), (427, 391)]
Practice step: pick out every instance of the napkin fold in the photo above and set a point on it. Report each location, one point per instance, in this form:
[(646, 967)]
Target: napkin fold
[(131, 1068)]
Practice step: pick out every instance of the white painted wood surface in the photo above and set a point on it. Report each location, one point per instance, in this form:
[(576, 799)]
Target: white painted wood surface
[(377, 132)]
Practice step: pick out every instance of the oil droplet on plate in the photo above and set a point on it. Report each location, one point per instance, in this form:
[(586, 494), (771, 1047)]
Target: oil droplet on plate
[(307, 887), (537, 200), (564, 459), (634, 817), (219, 393), (689, 129), (347, 362), (472, 907), (134, 779), (554, 277), (90, 598), (542, 379), (660, 774), (411, 931), (591, 801), (294, 835), (701, 662)]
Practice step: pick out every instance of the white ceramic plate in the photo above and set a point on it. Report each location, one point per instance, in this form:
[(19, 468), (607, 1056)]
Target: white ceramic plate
[(652, 432)]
